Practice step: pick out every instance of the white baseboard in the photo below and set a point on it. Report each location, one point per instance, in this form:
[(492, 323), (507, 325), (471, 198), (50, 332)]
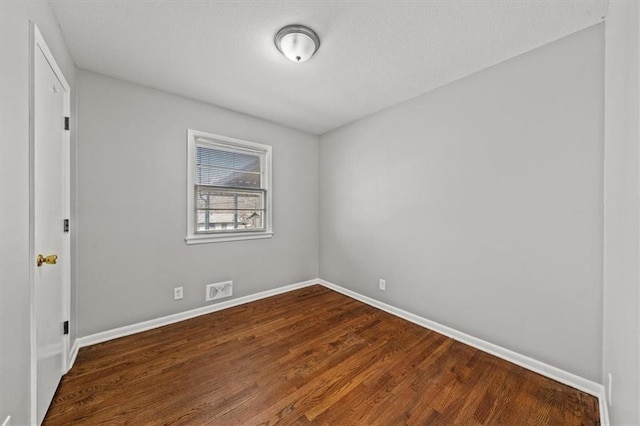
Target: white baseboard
[(181, 316), (604, 408), (73, 353), (570, 379), (542, 368), (7, 421)]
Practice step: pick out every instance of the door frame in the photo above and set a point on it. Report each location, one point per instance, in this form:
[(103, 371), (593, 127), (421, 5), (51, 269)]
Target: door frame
[(37, 43)]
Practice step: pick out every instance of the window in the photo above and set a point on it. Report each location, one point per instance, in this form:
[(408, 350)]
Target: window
[(229, 189)]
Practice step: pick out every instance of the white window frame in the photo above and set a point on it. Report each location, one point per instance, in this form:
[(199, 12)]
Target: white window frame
[(196, 137)]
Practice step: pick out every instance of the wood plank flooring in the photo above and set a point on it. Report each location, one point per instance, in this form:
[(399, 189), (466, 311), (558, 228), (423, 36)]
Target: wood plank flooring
[(310, 356)]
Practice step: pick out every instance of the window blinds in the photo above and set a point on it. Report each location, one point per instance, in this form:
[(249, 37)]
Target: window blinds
[(229, 189)]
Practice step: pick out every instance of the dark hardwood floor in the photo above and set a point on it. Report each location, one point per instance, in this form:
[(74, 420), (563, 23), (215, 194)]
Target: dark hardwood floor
[(307, 356)]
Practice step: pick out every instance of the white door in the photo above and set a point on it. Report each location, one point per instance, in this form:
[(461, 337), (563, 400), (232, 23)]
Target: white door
[(50, 207)]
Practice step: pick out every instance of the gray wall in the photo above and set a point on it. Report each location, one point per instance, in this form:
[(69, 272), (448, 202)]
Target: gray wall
[(622, 212), (132, 206), (14, 192), (480, 203)]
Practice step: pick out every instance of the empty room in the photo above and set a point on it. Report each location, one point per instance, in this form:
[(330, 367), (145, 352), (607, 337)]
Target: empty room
[(319, 212)]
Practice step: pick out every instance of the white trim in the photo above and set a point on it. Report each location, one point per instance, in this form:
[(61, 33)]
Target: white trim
[(547, 370), (35, 35), (603, 407), (73, 354), (203, 239), (195, 137), (7, 421), (181, 316), (37, 42)]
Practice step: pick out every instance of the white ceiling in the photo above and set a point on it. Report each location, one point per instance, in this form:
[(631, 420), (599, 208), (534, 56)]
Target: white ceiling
[(373, 54)]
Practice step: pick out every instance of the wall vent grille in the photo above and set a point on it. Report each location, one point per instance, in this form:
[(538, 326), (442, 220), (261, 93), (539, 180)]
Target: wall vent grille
[(219, 290)]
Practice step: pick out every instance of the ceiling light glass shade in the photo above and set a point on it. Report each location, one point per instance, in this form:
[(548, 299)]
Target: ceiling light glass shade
[(297, 43)]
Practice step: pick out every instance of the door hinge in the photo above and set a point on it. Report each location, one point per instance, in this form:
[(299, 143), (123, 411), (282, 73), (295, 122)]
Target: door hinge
[(65, 226), (65, 327), (66, 123)]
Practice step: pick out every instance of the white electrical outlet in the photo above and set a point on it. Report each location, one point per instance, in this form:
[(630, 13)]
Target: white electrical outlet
[(383, 285), (177, 293), (218, 290), (609, 391)]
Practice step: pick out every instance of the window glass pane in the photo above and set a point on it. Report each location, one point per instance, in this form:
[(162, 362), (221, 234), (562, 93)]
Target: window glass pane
[(215, 198), (228, 220), (250, 219), (220, 209), (250, 201), (211, 199)]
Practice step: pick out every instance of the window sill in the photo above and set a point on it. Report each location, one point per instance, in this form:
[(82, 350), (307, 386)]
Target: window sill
[(220, 238)]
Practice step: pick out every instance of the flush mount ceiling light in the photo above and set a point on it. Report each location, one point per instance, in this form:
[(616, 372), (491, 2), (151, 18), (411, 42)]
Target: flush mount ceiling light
[(297, 42)]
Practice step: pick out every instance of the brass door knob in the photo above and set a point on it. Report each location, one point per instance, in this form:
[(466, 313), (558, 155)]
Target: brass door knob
[(52, 259)]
